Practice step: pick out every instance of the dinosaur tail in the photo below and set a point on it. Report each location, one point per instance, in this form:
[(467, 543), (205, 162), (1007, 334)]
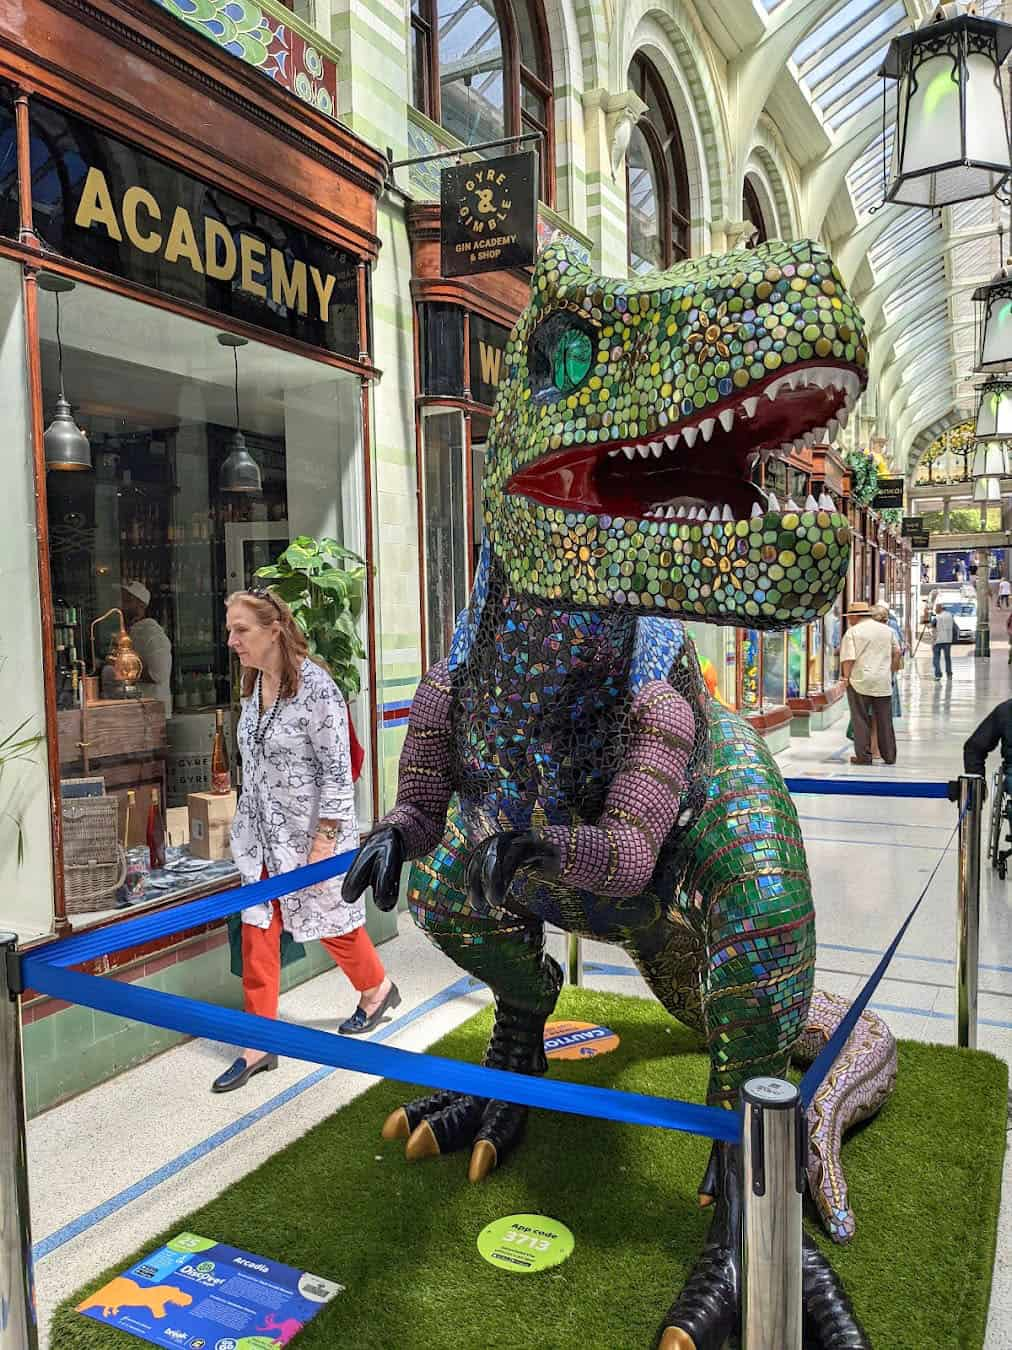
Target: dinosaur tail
[(858, 1084)]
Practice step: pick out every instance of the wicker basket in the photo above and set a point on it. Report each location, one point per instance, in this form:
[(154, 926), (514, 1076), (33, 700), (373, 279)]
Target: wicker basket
[(94, 863)]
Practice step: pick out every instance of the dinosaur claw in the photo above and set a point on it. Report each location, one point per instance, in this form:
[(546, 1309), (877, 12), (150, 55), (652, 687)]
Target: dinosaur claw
[(674, 1338), (396, 1125), (422, 1143), (484, 1159)]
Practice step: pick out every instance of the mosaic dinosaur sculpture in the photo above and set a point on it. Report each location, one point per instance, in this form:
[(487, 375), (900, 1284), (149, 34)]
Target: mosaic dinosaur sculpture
[(566, 764)]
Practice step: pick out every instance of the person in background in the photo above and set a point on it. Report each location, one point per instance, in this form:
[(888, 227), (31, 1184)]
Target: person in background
[(1004, 591), (883, 614), (996, 726), (944, 626), (297, 806), (1008, 634), (869, 654), (151, 643)]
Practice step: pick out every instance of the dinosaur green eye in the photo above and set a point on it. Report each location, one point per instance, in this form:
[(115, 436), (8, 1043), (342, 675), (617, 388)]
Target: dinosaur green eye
[(560, 356)]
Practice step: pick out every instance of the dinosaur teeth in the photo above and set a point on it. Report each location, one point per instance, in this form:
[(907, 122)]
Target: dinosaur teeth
[(727, 418), (750, 406), (671, 513), (715, 513), (810, 503), (727, 513), (671, 441), (826, 502), (643, 451), (706, 427), (757, 511), (656, 449), (629, 451), (690, 434), (773, 503), (792, 504)]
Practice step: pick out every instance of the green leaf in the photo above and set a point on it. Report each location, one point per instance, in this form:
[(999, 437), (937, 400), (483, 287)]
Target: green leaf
[(305, 542), (270, 573), (337, 550)]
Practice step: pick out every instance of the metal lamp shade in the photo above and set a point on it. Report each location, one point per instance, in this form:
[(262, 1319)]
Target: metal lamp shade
[(240, 471), (994, 411), (952, 130), (987, 490), (994, 349), (990, 460), (66, 446)]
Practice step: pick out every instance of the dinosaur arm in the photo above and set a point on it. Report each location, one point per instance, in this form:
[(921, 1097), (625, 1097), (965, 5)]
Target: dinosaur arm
[(425, 780), (617, 856)]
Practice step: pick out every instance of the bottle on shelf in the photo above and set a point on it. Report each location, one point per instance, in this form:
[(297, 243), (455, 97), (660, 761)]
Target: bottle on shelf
[(155, 833), (221, 779)]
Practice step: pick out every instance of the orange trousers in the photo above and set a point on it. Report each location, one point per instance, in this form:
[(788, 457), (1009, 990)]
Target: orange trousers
[(261, 962)]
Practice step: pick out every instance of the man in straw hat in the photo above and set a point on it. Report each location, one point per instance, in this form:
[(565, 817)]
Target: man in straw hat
[(869, 654)]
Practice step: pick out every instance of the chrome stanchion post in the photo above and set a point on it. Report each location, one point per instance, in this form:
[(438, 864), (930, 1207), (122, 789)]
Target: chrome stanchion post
[(17, 1285), (971, 803), (773, 1154), (574, 949)]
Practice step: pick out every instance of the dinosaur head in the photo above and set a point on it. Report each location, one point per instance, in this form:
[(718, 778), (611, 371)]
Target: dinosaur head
[(631, 420)]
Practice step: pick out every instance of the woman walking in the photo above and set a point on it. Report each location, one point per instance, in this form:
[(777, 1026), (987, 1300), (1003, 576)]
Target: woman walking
[(297, 806)]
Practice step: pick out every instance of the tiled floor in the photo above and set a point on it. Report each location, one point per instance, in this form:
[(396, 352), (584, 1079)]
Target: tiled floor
[(119, 1163)]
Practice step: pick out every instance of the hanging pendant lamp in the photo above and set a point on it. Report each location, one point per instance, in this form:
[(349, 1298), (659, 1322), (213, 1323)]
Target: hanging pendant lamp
[(952, 130), (994, 411), (990, 460), (993, 318), (240, 472), (987, 490), (66, 446)]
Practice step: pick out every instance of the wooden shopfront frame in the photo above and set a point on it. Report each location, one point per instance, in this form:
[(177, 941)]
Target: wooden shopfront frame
[(217, 120), (497, 297)]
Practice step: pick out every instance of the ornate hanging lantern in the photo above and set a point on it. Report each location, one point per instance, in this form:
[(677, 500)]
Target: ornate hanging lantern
[(987, 491), (990, 460), (952, 128), (993, 320), (994, 411)]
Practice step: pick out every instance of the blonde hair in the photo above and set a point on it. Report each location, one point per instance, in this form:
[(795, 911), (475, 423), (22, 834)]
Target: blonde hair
[(269, 608)]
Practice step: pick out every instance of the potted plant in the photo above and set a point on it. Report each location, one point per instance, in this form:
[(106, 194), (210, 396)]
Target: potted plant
[(323, 584), (17, 748)]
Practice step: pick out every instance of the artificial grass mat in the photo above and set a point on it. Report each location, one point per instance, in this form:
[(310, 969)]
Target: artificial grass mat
[(924, 1176)]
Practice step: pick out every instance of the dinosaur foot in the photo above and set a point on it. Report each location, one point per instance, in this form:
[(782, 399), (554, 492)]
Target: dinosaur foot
[(447, 1121), (707, 1313)]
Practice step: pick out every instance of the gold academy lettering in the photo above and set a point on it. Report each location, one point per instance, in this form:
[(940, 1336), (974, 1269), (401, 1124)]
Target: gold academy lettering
[(208, 247)]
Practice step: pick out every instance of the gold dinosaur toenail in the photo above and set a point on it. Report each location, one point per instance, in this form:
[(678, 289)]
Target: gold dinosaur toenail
[(483, 1160), (422, 1143), (396, 1125)]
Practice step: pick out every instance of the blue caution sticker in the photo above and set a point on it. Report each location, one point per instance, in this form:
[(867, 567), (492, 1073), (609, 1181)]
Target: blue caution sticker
[(578, 1040)]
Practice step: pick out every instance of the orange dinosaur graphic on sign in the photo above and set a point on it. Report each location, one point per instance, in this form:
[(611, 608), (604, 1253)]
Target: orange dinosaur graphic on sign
[(122, 1292)]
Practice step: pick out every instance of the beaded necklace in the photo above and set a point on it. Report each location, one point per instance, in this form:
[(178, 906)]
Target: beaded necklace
[(263, 725)]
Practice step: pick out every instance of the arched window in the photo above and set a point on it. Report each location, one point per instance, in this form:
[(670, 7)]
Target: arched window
[(482, 70), (753, 211), (657, 181)]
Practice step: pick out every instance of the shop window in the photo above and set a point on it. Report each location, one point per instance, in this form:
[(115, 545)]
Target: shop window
[(750, 662), (797, 663), (774, 670), (151, 531), (832, 637), (444, 501), (657, 180), (815, 635), (482, 70), (752, 211)]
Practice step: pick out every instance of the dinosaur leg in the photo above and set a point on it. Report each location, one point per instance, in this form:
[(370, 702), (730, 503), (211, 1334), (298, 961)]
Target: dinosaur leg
[(508, 954), (749, 865)]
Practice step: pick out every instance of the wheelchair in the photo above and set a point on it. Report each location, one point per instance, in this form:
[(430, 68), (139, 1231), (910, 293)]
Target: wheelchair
[(1001, 813)]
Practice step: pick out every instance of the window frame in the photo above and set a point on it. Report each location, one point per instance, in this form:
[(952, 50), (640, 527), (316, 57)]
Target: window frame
[(516, 77), (752, 210), (671, 169)]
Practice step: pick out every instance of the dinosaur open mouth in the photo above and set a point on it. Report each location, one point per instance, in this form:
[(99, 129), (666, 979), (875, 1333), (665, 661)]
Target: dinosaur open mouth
[(701, 466)]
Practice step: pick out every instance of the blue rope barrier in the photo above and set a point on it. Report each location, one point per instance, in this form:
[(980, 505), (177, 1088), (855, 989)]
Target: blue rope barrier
[(867, 787), (118, 937), (824, 1061), (177, 1013)]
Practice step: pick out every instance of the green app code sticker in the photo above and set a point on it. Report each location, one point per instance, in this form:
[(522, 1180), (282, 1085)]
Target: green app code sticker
[(523, 1243)]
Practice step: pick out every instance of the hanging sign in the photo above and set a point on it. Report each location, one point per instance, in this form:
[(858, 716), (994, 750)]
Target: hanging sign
[(888, 494), (912, 525), (489, 215), (112, 206), (920, 540), (201, 1294)]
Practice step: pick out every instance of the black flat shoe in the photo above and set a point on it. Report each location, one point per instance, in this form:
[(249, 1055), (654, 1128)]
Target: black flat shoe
[(360, 1021), (239, 1073)]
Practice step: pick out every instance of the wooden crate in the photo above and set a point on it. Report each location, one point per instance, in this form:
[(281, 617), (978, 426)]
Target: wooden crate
[(115, 727)]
